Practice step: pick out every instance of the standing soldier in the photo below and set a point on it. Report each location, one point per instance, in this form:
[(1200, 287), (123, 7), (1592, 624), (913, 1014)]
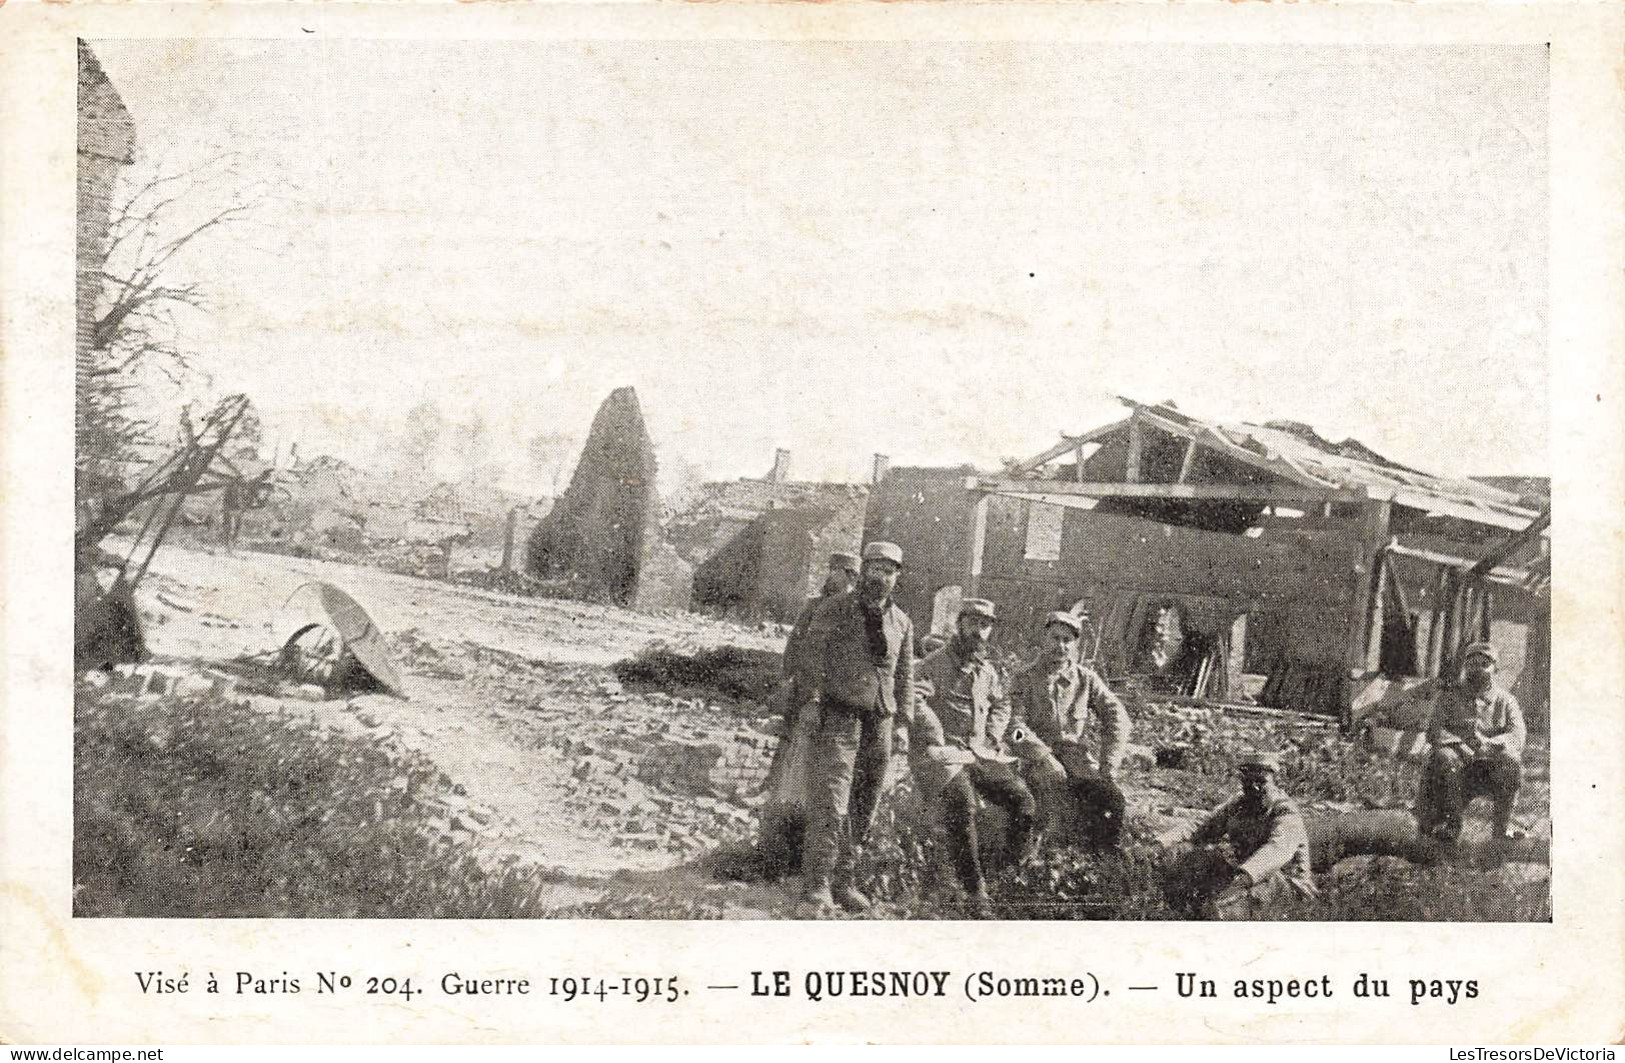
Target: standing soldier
[(841, 578), (963, 689), (1477, 734), (784, 817), (1254, 851), (859, 651), (1057, 703)]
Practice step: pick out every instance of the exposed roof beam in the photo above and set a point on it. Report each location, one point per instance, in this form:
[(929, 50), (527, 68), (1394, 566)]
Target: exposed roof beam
[(1512, 545), (1218, 441), (1068, 444), (1284, 493), (1500, 573), (1498, 517)]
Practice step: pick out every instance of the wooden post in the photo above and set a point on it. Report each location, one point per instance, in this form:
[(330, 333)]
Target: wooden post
[(976, 542), (1187, 462), (507, 539), (1131, 474), (1365, 606), (1447, 642), (1376, 610), (1077, 463), (1435, 651)]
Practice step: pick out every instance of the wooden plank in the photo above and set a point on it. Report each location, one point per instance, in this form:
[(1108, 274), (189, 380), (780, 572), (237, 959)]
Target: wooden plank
[(978, 544), (1365, 607), (1376, 612), (1136, 441), (1187, 462), (1501, 573), (1218, 442), (1512, 545), (1068, 443), (1282, 493), (1510, 519)]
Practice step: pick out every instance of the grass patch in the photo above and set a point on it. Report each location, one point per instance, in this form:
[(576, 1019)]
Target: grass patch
[(732, 672), (207, 808)]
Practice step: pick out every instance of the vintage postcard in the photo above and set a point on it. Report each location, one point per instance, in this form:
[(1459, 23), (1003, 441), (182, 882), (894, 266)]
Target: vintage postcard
[(780, 523)]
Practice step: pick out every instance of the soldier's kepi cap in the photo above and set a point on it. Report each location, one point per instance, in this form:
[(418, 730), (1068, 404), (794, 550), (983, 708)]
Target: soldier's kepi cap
[(1482, 649), (1066, 620), (881, 551), (978, 607), (843, 561), (1263, 760)]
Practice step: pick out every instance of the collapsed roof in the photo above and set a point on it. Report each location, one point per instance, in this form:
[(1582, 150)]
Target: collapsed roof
[(1276, 461)]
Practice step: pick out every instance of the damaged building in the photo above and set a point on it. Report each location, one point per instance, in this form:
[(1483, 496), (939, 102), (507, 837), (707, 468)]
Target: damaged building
[(760, 547), (1231, 561)]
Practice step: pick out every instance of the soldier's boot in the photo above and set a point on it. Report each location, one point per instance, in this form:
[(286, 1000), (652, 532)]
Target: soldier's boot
[(816, 899), (847, 894), (979, 903)]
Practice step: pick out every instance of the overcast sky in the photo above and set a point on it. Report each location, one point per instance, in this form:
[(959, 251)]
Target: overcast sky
[(947, 253)]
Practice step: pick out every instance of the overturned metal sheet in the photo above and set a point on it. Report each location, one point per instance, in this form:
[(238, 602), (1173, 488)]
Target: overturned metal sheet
[(326, 604)]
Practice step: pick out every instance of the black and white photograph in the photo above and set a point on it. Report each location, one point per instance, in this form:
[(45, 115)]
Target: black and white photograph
[(812, 480)]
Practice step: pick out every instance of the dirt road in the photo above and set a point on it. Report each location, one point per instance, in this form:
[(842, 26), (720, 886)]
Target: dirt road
[(513, 698)]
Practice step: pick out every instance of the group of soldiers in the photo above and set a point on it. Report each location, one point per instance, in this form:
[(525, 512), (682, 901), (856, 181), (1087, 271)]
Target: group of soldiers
[(1047, 750)]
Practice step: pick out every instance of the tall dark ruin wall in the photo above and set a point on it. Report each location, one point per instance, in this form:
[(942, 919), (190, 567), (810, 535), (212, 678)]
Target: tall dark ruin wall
[(603, 535)]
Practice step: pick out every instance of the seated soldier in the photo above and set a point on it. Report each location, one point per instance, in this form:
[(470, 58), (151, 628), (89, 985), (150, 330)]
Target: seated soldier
[(1252, 853), (1477, 735), (961, 687), (1056, 703)]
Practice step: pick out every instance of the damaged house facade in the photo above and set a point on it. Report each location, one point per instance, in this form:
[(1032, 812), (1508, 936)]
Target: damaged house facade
[(1232, 561), (760, 547)]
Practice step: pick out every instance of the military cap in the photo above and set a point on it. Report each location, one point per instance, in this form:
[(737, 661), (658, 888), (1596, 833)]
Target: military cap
[(1066, 620), (882, 551), (978, 607), (844, 561), (1263, 759), (1482, 649)]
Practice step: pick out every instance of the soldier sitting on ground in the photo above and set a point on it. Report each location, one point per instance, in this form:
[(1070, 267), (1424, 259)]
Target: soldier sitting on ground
[(1250, 857)]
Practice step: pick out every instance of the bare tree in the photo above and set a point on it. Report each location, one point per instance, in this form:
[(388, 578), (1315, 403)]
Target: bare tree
[(549, 455), (123, 473), (137, 328)]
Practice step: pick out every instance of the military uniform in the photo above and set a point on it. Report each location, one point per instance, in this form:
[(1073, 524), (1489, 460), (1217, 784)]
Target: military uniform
[(860, 667), (1267, 862), (1056, 705), (1477, 738), (966, 695)]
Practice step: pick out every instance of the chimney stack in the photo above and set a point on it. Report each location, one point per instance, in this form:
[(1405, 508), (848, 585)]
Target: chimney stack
[(882, 467), (781, 467)]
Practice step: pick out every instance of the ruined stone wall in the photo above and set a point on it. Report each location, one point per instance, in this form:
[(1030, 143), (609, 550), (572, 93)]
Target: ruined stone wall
[(106, 143), (603, 534)]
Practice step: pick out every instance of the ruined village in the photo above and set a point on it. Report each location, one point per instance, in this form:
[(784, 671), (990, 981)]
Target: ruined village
[(309, 687)]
